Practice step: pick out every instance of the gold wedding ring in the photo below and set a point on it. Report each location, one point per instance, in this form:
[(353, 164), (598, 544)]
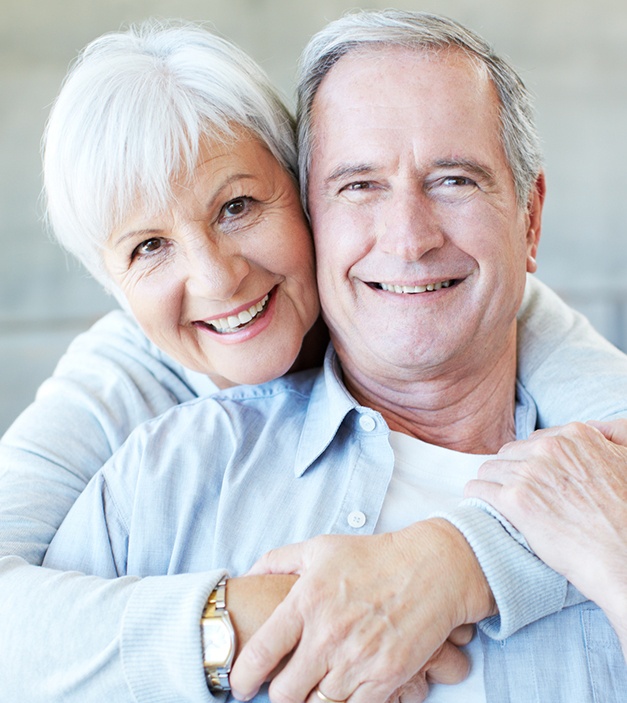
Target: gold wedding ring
[(324, 699)]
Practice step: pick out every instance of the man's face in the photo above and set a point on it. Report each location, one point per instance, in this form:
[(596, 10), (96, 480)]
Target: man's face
[(421, 244)]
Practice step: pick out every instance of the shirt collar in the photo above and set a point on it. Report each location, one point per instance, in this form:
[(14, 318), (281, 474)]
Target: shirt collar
[(329, 404), (526, 413)]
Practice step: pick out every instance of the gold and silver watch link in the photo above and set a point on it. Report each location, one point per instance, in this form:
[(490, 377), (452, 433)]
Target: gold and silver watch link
[(218, 640)]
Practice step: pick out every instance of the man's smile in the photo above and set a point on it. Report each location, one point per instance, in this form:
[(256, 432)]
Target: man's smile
[(393, 288)]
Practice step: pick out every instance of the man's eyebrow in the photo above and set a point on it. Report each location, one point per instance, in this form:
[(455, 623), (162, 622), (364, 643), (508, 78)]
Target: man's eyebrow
[(468, 165), (349, 170)]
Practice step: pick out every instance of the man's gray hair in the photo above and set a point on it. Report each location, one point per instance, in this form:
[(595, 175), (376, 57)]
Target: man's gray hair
[(131, 116), (424, 32)]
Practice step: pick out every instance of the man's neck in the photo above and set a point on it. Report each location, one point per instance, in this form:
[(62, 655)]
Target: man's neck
[(469, 410)]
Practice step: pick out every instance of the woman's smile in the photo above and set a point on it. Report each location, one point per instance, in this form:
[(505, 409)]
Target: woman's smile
[(237, 320)]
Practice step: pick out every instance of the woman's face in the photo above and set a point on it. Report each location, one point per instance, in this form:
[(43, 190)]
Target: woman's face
[(223, 280)]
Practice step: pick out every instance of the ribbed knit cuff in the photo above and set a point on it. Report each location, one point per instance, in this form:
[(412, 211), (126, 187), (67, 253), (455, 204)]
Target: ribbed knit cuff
[(161, 644), (525, 588)]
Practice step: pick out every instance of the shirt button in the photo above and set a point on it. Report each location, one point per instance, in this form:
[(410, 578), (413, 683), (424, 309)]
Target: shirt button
[(356, 518), (367, 423)]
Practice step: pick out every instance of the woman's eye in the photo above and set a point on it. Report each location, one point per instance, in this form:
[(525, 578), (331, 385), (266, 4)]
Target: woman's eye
[(150, 246), (236, 207)]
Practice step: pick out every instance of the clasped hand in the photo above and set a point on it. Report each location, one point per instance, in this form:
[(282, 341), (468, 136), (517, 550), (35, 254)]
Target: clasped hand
[(369, 617)]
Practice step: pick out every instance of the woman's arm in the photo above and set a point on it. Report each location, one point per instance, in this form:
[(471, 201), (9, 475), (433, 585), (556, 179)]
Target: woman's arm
[(110, 380), (570, 370), (572, 514)]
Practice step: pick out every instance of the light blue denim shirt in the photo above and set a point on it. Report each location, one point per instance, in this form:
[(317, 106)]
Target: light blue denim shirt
[(284, 462)]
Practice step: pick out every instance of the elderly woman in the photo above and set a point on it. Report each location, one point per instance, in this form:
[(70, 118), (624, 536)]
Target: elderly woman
[(170, 173)]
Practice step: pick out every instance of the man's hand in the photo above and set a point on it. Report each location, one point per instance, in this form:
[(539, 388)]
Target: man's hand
[(448, 665), (366, 616), (565, 489)]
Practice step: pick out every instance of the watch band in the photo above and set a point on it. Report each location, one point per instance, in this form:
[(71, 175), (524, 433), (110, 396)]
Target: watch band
[(218, 639)]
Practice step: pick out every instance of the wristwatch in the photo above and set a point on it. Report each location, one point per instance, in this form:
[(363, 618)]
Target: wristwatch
[(218, 640)]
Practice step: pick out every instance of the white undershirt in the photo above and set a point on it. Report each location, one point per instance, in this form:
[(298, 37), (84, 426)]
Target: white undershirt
[(429, 479)]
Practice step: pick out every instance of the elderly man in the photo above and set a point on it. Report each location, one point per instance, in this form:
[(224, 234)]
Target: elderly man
[(413, 182), (426, 206)]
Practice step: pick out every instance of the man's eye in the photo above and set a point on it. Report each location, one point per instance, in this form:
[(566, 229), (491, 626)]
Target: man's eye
[(457, 181), (359, 185), (147, 247)]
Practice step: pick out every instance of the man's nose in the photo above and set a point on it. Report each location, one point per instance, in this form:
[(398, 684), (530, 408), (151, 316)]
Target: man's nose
[(409, 227)]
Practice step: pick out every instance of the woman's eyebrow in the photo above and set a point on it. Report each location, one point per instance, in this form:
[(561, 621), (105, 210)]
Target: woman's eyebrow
[(132, 234)]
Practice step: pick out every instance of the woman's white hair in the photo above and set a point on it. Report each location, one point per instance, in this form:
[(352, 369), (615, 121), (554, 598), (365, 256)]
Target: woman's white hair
[(424, 32), (131, 115)]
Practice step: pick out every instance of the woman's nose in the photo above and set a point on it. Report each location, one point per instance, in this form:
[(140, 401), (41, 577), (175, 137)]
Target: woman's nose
[(215, 270)]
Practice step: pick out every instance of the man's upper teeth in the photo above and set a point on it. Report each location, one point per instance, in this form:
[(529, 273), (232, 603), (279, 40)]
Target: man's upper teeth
[(414, 289), (226, 324)]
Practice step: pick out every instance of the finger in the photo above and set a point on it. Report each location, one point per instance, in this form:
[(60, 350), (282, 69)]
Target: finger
[(300, 676), (488, 491), (572, 429), (497, 470), (265, 650), (415, 690), (613, 430), (313, 697), (522, 448), (462, 635), (450, 665), (376, 692), (284, 560), (508, 446)]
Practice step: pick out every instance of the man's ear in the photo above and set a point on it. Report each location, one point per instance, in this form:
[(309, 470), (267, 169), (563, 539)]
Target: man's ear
[(534, 227)]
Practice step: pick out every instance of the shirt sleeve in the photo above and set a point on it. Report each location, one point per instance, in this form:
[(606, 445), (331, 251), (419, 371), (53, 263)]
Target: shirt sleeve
[(67, 636), (572, 374), (570, 370), (75, 638)]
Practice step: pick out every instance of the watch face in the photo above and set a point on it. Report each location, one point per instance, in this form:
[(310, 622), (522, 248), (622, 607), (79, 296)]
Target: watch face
[(217, 641)]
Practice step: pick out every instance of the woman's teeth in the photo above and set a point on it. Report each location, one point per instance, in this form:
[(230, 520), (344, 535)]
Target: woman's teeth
[(415, 289), (235, 322)]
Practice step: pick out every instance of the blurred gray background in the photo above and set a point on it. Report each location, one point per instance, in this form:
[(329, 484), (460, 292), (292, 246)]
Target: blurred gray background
[(571, 53)]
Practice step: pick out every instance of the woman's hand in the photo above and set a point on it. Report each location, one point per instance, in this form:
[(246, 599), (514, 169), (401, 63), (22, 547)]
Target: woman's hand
[(565, 489), (366, 615)]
